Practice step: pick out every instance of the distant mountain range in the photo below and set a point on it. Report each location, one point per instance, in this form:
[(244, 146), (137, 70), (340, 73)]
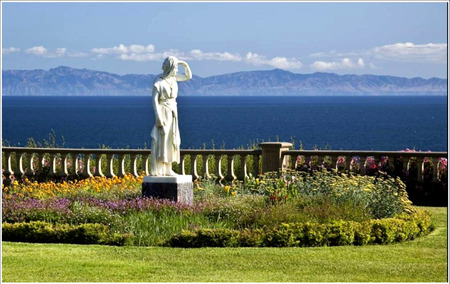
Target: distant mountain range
[(66, 81)]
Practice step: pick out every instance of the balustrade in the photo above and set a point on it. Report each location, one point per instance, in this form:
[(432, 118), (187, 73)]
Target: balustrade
[(223, 165), (83, 163), (363, 162)]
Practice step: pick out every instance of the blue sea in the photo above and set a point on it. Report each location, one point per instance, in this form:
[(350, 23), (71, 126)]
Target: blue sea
[(347, 123)]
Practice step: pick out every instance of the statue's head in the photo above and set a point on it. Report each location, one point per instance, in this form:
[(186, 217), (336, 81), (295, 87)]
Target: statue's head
[(170, 66)]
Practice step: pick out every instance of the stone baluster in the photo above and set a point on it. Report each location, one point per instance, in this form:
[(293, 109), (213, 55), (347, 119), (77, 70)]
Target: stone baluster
[(8, 169), (21, 163), (205, 158), (285, 160), (86, 165), (405, 165), (110, 165), (348, 164), (194, 167), (145, 167), (133, 165), (29, 172), (73, 166), (98, 163), (230, 168), (20, 169), (78, 159), (182, 165), (435, 169), (65, 167), (122, 170), (420, 168), (52, 164), (243, 168), (255, 165), (218, 161)]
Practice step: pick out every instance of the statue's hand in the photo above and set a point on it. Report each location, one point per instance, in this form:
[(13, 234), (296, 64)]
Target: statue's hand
[(160, 123)]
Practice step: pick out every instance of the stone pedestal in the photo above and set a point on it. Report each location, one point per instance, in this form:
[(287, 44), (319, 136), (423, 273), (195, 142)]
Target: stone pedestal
[(271, 155), (176, 188)]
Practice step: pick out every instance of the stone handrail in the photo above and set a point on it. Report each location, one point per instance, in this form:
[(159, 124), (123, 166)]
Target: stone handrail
[(65, 162)]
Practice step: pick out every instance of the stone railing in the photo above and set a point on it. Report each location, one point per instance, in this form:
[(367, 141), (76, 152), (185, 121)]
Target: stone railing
[(56, 163), (363, 162), (224, 165)]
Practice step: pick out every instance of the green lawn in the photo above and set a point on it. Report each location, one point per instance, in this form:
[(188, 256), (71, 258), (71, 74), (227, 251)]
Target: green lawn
[(421, 260)]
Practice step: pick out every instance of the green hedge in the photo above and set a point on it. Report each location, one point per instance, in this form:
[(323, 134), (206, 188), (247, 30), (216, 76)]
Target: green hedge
[(42, 232), (381, 231)]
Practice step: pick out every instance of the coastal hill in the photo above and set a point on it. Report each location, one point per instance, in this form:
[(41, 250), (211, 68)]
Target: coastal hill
[(67, 81)]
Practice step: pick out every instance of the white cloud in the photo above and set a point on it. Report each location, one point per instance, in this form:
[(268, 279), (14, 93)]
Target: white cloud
[(277, 62), (9, 50), (42, 51), (345, 63), (122, 49), (197, 54), (408, 51), (37, 50)]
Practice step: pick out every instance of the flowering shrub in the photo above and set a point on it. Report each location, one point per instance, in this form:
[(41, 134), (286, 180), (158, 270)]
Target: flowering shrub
[(123, 187), (381, 197)]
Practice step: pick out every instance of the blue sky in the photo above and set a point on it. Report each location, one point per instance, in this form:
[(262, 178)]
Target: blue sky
[(401, 39)]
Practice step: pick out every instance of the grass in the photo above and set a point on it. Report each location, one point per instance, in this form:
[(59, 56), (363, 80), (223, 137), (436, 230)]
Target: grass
[(421, 260)]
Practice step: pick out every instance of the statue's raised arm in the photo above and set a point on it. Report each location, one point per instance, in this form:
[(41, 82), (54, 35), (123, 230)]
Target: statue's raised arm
[(187, 72)]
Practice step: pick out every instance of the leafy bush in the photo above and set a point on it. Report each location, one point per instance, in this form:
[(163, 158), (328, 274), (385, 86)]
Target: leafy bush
[(337, 233), (42, 232), (206, 238)]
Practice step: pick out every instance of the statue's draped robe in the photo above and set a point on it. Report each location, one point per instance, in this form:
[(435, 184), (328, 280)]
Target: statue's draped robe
[(165, 140)]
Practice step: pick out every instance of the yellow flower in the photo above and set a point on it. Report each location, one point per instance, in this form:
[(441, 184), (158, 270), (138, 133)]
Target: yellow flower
[(257, 181), (227, 188), (233, 193)]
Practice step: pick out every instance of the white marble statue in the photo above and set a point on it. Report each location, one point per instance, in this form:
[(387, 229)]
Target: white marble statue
[(166, 134)]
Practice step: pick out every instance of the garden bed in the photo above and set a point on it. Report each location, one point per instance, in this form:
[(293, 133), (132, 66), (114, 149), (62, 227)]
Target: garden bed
[(292, 209)]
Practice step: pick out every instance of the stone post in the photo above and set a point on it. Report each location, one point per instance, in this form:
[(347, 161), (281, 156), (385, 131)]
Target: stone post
[(271, 155)]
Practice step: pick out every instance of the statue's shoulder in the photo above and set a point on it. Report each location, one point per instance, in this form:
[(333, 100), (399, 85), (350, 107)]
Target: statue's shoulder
[(158, 82)]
